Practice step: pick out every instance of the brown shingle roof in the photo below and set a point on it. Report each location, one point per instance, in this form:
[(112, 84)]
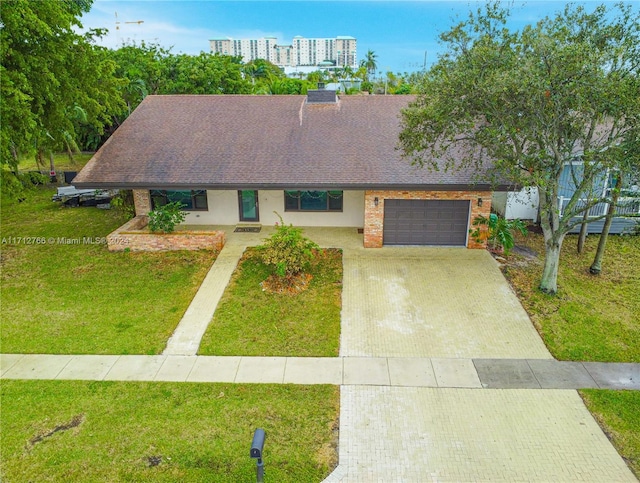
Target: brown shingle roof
[(279, 142)]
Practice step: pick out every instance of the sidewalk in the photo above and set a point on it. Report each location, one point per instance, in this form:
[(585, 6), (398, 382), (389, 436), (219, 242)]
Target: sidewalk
[(361, 371)]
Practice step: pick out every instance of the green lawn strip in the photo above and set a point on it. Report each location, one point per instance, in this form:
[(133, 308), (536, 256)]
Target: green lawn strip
[(131, 431), (70, 295), (252, 322), (618, 412), (60, 160), (592, 318)]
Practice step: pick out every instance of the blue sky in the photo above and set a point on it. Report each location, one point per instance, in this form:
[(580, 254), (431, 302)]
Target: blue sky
[(399, 32)]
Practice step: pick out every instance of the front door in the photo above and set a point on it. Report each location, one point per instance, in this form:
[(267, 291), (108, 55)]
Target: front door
[(248, 202)]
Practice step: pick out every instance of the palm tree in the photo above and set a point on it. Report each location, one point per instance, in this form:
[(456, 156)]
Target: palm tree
[(134, 93), (346, 72), (370, 62)]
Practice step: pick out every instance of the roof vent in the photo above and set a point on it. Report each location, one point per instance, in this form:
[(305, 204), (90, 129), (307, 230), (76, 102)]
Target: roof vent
[(321, 96)]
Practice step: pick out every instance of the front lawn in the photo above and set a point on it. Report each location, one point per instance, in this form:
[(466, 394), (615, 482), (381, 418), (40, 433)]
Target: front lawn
[(63, 292), (251, 322), (132, 431), (592, 318)]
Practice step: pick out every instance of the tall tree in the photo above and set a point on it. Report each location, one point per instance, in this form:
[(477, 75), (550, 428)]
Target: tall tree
[(262, 69), (346, 72), (47, 69), (529, 105), (370, 63), (142, 64)]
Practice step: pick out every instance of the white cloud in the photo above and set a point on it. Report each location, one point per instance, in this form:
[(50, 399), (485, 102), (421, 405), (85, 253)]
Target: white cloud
[(122, 22)]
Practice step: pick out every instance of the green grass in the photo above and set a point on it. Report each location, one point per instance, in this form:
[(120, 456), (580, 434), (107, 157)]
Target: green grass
[(195, 432), (619, 414), (60, 160), (80, 298), (592, 318), (252, 322)]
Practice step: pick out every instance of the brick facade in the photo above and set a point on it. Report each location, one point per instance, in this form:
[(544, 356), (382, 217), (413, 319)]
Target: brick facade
[(134, 237), (142, 202), (374, 215)]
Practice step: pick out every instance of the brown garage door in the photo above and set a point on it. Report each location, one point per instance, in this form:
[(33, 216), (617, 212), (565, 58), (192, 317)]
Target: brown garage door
[(426, 222)]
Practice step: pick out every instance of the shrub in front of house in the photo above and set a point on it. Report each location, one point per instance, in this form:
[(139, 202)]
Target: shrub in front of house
[(165, 218), (287, 252)]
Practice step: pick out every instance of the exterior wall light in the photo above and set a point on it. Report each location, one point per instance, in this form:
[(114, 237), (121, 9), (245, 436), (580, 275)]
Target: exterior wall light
[(479, 201), (375, 201)]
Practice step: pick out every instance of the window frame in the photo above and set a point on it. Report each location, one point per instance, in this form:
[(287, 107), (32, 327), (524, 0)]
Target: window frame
[(194, 194), (289, 195)]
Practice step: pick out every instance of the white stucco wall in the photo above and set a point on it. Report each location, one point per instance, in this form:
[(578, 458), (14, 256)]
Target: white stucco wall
[(224, 210), (521, 204)]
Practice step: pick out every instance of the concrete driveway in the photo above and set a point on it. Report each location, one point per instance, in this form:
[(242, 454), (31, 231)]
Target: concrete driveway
[(432, 302), (454, 303)]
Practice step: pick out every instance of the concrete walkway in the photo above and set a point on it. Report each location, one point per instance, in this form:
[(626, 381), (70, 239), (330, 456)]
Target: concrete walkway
[(358, 371), (185, 340)]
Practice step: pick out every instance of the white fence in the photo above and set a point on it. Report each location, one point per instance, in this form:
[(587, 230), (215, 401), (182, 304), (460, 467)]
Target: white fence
[(626, 206)]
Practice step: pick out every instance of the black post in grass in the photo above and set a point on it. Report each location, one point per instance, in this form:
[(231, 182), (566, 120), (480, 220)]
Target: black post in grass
[(257, 446)]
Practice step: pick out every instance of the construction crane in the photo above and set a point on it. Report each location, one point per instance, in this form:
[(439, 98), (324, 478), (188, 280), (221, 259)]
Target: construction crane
[(121, 23), (118, 23)]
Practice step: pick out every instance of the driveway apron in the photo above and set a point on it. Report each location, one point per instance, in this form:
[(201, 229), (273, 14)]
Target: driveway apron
[(454, 303)]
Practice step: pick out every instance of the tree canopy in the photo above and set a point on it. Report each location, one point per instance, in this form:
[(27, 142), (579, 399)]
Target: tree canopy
[(561, 94), (61, 91), (50, 73)]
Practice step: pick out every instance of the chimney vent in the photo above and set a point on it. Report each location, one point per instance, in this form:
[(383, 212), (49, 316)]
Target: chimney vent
[(321, 96)]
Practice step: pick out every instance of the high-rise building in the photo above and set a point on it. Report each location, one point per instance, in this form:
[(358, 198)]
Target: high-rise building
[(302, 52)]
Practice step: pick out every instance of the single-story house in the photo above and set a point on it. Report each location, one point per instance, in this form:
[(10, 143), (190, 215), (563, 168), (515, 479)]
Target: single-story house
[(317, 160)]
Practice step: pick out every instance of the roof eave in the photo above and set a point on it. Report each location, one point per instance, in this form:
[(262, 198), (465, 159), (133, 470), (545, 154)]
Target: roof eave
[(296, 186)]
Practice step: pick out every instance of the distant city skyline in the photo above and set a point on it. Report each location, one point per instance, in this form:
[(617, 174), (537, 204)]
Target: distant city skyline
[(301, 54), (404, 35)]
